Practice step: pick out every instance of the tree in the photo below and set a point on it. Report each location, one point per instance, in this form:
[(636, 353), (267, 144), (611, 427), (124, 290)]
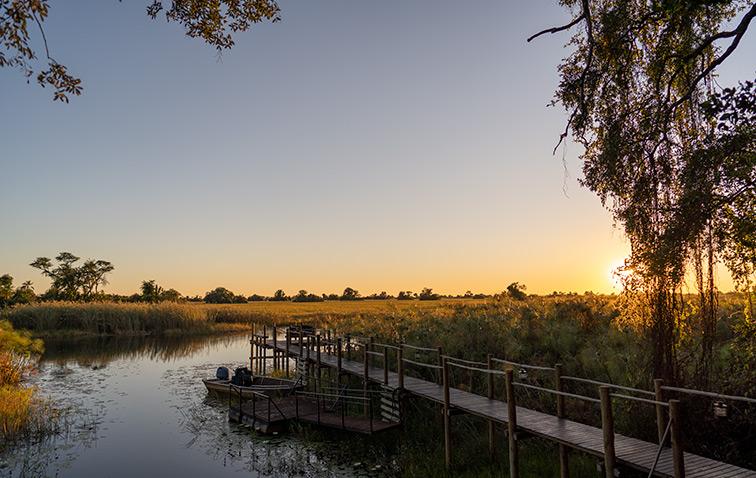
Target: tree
[(427, 294), (6, 290), (304, 296), (279, 296), (170, 295), (256, 298), (24, 294), (635, 88), (517, 291), (71, 282), (219, 295), (405, 295), (151, 291), (214, 21), (350, 294)]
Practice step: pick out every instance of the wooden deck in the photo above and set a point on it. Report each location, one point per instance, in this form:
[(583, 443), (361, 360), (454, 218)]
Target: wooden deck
[(629, 451), (304, 410)]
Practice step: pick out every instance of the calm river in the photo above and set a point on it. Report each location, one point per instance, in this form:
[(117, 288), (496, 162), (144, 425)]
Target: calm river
[(137, 407)]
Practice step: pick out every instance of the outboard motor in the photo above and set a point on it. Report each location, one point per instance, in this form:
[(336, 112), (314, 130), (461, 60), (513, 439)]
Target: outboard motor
[(222, 373)]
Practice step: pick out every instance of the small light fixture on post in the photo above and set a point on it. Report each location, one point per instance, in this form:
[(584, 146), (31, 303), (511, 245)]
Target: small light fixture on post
[(720, 409)]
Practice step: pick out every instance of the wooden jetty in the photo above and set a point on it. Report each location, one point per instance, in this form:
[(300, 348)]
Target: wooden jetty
[(315, 350), (268, 413)]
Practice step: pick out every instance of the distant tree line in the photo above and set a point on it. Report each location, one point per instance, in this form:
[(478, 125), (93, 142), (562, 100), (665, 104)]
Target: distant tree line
[(74, 281)]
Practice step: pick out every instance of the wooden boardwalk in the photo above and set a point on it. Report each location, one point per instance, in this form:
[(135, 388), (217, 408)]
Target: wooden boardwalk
[(628, 451)]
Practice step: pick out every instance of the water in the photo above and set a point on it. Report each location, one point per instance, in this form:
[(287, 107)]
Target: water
[(137, 407)]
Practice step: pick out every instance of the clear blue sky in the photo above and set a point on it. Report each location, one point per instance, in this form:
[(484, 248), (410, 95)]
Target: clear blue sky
[(378, 145)]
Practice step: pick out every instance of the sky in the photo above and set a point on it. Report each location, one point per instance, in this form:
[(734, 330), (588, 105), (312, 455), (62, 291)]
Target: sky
[(378, 145)]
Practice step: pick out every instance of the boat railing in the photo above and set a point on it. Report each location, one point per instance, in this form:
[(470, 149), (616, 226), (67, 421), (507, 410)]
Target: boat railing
[(255, 396)]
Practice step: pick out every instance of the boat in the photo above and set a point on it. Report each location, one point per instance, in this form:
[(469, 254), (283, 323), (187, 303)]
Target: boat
[(259, 384)]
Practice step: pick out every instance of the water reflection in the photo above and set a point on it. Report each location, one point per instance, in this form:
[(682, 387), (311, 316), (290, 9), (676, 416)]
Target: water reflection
[(137, 407)]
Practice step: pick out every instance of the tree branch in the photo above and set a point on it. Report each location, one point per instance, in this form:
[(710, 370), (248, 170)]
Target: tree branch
[(738, 33), (558, 29)]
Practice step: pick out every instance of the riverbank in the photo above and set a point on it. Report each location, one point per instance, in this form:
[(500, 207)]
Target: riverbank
[(23, 413)]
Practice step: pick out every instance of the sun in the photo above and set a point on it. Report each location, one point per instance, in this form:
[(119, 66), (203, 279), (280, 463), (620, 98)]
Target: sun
[(616, 274)]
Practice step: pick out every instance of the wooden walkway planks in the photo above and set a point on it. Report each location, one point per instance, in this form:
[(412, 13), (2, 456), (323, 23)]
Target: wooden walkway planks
[(629, 451)]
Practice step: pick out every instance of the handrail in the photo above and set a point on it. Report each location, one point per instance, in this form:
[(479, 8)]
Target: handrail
[(472, 362), (638, 399), (612, 385), (492, 371), (709, 394), (394, 347), (360, 390), (659, 450), (293, 330), (523, 365), (557, 392), (319, 394), (427, 349), (437, 367)]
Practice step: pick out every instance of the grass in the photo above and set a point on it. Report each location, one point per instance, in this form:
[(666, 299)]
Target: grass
[(22, 411), (115, 318)]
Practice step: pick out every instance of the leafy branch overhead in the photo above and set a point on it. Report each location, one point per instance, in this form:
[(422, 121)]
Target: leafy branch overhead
[(214, 21)]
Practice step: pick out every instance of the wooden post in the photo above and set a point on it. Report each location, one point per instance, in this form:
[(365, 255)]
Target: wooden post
[(564, 466), (348, 347), (607, 425), (400, 365), (275, 348), (440, 362), (252, 348), (446, 410), (264, 347), (678, 460), (385, 365), (491, 424), (317, 355), (301, 339), (661, 424), (370, 347), (338, 355), (514, 463), (365, 365), (288, 346)]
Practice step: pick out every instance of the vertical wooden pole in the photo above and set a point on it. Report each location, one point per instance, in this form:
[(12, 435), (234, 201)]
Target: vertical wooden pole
[(275, 348), (564, 466), (288, 346), (365, 365), (514, 462), (400, 365), (440, 362), (338, 360), (491, 424), (607, 425), (252, 350), (264, 348), (661, 424), (301, 339), (678, 460), (385, 365), (446, 410), (317, 355)]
